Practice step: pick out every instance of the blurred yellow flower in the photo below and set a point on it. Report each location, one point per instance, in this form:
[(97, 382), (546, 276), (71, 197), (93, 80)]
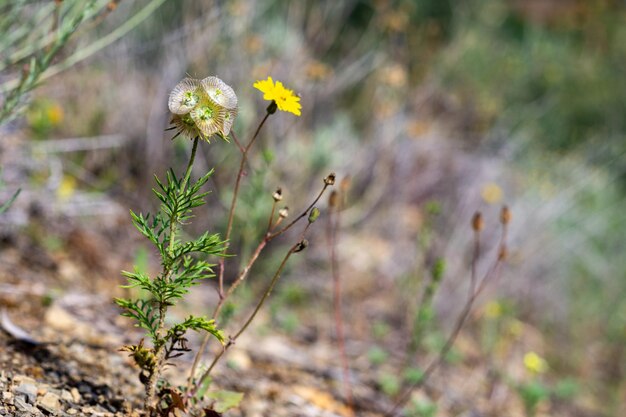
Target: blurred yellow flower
[(491, 193), (284, 98), (66, 188), (493, 310), (55, 114), (535, 363)]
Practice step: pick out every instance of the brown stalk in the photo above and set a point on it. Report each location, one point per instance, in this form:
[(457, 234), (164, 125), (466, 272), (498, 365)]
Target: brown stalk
[(474, 293), (233, 339), (333, 226)]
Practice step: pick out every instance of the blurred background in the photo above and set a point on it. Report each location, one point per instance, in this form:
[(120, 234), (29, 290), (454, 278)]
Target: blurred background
[(433, 108)]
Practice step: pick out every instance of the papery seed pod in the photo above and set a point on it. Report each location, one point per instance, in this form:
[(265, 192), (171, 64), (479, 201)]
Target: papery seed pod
[(505, 215), (278, 194), (503, 253), (208, 117), (229, 120), (185, 96), (283, 212), (185, 126), (330, 179), (345, 184), (314, 214), (333, 199), (477, 222), (219, 92)]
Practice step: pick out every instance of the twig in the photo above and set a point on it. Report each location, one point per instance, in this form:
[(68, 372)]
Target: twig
[(221, 262), (475, 292), (333, 226), (295, 248)]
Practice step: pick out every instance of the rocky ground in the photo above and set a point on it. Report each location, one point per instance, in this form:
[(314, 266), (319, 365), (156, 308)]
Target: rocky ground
[(59, 348)]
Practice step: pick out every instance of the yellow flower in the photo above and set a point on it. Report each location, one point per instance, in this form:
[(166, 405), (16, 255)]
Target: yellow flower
[(284, 98), (491, 193), (535, 363), (493, 310)]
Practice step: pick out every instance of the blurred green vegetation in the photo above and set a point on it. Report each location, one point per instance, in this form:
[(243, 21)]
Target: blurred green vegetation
[(537, 84)]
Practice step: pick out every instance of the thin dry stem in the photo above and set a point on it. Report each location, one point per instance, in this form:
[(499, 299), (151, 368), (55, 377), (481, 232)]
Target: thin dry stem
[(243, 328), (434, 364), (221, 261), (333, 226)]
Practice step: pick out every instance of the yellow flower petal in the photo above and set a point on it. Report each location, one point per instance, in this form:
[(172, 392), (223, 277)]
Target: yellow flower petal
[(535, 363), (491, 193), (285, 99)]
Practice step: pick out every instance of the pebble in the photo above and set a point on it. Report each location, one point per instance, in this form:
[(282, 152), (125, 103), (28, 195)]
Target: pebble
[(76, 395), (22, 406), (67, 396), (50, 402), (29, 390)]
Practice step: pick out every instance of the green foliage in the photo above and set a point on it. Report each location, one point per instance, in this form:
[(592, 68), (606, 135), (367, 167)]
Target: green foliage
[(377, 356), (422, 408), (181, 269), (532, 394), (224, 400), (389, 384)]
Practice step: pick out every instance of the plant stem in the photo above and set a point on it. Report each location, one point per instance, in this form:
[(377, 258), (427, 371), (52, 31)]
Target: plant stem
[(434, 364), (159, 351), (243, 328), (304, 213), (221, 261), (233, 204), (334, 266)]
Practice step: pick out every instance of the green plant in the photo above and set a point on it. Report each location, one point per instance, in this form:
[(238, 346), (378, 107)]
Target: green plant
[(476, 287), (201, 110), (32, 37)]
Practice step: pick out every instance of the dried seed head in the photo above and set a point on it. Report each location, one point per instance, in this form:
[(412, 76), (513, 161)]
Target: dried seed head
[(345, 184), (301, 246), (505, 215), (314, 214), (278, 194), (220, 92), (283, 212), (185, 96), (330, 179), (333, 199), (503, 253), (477, 222)]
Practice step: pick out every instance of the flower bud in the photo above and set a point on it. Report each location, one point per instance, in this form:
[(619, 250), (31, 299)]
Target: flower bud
[(477, 222), (271, 109), (314, 214), (503, 253), (283, 212), (330, 179), (301, 246), (505, 215), (278, 195)]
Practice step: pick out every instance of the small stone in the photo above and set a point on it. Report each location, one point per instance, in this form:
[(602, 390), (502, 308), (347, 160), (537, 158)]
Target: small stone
[(67, 396), (75, 395), (50, 402), (23, 379), (22, 406), (72, 411), (29, 390)]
